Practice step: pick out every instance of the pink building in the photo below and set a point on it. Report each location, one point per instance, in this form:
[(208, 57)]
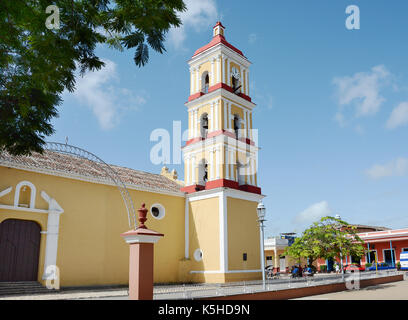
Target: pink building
[(386, 245)]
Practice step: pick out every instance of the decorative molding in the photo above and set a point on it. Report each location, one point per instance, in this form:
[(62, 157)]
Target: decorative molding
[(222, 49), (200, 100), (6, 191), (33, 193)]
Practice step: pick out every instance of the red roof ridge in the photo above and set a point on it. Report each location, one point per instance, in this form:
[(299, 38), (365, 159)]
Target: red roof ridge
[(216, 40)]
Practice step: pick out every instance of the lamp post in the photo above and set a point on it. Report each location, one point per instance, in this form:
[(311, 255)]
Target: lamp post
[(261, 218)]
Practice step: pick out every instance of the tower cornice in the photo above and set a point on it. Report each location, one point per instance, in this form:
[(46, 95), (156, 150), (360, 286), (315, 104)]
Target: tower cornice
[(222, 50), (220, 93)]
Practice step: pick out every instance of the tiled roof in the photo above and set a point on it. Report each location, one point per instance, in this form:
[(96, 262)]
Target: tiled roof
[(54, 162), (375, 228)]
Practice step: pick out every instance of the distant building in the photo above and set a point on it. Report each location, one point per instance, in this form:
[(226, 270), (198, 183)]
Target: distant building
[(274, 251), (290, 236), (382, 244)]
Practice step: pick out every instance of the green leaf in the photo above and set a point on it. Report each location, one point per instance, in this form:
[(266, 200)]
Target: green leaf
[(141, 55)]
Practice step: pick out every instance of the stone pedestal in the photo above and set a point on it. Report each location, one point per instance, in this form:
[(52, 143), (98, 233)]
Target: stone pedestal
[(141, 258)]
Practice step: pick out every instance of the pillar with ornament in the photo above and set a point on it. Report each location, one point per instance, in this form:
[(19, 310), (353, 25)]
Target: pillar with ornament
[(141, 256)]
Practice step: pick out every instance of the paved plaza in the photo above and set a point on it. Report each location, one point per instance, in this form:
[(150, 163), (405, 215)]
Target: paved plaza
[(388, 291), (396, 290)]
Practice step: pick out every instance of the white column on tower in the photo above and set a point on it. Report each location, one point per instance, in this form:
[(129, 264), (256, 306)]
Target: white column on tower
[(191, 81), (229, 117), (193, 171), (245, 122), (197, 79), (228, 72), (224, 59), (212, 72), (196, 123), (242, 79), (247, 82), (250, 126), (212, 171), (219, 69), (190, 120), (252, 172), (217, 162), (225, 115), (211, 127), (227, 169), (233, 162), (255, 171), (217, 110)]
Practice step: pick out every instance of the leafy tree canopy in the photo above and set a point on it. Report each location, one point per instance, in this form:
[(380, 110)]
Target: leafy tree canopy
[(328, 238), (37, 64)]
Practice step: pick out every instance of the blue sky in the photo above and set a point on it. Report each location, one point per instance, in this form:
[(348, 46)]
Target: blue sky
[(332, 104)]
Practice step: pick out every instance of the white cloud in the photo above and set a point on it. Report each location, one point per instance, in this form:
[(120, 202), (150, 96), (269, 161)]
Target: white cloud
[(98, 91), (398, 117), (397, 167), (200, 14), (313, 213), (362, 90)]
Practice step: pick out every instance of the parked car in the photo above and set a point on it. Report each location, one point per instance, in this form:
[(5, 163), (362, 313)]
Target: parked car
[(353, 267)]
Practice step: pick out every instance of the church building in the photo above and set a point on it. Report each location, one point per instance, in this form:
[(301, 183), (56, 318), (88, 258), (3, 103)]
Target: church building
[(62, 210)]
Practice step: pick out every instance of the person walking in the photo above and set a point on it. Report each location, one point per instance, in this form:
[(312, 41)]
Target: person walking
[(337, 267)]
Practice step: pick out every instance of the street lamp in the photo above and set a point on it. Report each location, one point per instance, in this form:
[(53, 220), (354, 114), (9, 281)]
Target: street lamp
[(261, 211)]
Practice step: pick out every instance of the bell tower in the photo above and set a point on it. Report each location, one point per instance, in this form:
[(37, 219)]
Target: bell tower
[(221, 150), (220, 167)]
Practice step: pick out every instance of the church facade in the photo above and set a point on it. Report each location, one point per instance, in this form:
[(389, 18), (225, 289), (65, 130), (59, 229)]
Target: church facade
[(61, 210)]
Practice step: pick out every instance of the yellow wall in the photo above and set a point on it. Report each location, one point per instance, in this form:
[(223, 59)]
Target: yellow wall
[(204, 234), (90, 248), (243, 235)]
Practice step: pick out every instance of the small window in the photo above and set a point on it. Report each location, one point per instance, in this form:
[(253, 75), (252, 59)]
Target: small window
[(244, 257), (404, 249), (268, 258), (198, 255), (157, 211), (25, 197)]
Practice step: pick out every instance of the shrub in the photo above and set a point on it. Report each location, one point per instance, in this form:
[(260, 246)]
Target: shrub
[(368, 265), (398, 265), (323, 268)]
